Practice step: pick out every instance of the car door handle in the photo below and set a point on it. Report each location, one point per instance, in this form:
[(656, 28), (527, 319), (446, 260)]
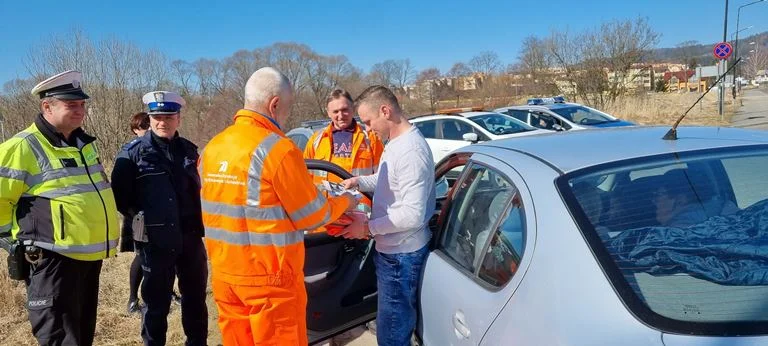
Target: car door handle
[(460, 325)]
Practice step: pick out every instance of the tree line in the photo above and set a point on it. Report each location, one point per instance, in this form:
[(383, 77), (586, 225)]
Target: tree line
[(116, 73)]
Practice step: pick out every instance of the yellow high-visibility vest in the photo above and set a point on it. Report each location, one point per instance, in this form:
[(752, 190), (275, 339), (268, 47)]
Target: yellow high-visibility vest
[(57, 198)]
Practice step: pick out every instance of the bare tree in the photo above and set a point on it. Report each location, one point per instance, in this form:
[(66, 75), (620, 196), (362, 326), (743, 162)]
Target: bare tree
[(758, 61), (182, 75), (535, 62), (586, 59), (486, 63), (429, 85), (393, 73)]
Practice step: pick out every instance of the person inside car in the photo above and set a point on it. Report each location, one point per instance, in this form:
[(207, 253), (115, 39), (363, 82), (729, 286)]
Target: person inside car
[(679, 204)]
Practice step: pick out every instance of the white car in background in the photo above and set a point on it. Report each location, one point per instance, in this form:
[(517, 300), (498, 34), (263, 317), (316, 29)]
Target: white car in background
[(553, 113), (451, 129)]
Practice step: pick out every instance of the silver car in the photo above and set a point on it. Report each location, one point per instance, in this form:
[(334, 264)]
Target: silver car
[(628, 240), (558, 115)]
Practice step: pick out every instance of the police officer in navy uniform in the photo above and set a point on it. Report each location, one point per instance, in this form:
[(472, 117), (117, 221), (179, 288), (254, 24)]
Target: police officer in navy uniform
[(156, 184)]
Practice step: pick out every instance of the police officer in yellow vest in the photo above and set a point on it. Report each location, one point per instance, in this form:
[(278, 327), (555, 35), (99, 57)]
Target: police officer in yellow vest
[(345, 143), (57, 205)]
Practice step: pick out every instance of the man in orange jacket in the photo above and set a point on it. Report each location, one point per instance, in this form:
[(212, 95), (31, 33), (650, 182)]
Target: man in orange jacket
[(345, 143), (258, 200)]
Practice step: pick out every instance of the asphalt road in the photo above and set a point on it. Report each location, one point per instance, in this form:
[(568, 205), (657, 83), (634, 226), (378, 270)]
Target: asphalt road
[(754, 111)]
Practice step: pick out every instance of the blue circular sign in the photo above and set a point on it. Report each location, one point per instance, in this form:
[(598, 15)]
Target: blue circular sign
[(722, 50)]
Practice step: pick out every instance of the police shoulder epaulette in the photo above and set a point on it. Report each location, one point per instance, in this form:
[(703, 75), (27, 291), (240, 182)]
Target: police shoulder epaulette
[(131, 144)]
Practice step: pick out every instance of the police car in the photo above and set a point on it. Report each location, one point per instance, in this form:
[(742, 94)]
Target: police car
[(553, 113), (450, 129)]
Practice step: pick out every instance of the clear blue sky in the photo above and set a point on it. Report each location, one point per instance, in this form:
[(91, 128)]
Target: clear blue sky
[(429, 32)]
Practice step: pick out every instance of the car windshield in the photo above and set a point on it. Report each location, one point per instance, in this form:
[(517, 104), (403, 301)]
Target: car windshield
[(583, 115), (501, 124), (683, 236)]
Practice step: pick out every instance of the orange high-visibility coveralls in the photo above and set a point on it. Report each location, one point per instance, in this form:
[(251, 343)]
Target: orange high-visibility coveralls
[(366, 154), (257, 201)]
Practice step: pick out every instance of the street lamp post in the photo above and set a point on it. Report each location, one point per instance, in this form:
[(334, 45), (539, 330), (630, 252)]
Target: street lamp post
[(736, 43)]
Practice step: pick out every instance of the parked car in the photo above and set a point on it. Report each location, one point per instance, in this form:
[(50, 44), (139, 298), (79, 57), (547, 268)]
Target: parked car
[(451, 129), (566, 239), (301, 134), (556, 114)]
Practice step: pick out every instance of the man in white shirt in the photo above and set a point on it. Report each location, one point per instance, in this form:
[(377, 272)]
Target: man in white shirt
[(403, 202)]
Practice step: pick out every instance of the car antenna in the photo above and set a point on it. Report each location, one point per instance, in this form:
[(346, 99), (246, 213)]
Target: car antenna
[(672, 133)]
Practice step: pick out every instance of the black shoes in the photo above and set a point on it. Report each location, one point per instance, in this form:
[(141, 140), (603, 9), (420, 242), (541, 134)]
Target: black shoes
[(134, 307)]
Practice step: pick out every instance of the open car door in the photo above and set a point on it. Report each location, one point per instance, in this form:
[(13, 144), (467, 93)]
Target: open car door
[(339, 276)]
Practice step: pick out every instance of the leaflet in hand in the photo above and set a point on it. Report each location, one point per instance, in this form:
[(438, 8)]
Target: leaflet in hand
[(336, 189)]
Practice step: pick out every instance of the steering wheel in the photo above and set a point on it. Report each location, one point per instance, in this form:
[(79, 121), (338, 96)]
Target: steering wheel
[(499, 130), (584, 120)]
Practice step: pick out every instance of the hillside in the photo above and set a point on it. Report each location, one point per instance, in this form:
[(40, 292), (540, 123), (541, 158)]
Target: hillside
[(702, 52)]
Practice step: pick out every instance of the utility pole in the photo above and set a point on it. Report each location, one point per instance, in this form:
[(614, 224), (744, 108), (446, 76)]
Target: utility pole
[(720, 89)]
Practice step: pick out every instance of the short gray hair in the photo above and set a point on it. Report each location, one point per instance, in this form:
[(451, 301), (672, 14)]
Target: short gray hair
[(49, 99), (264, 84)]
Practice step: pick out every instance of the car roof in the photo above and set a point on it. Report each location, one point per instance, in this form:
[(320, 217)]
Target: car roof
[(453, 115), (545, 106), (573, 150)]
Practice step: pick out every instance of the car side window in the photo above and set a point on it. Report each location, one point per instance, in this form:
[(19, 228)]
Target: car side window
[(454, 129), (472, 225), (427, 128), (502, 253), (518, 114)]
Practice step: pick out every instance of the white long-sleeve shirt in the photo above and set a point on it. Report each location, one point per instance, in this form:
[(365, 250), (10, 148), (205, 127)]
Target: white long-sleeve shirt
[(404, 194)]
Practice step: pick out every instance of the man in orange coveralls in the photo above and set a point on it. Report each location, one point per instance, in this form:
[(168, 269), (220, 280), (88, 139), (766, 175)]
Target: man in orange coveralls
[(258, 199)]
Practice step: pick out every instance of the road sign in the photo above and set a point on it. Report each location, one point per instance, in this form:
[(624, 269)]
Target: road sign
[(722, 50)]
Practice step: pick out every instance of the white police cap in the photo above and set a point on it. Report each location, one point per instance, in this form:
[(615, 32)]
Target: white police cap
[(65, 86), (163, 102)]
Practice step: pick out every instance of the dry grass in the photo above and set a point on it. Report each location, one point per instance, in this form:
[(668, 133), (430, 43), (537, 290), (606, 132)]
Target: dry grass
[(115, 327), (665, 108)]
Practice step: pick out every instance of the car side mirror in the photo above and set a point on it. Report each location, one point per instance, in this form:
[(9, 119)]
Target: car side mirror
[(470, 137), (557, 127)]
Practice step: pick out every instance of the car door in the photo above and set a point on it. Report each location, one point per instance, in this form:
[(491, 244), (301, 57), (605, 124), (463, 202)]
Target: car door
[(428, 129), (451, 132), (482, 243), (339, 277)]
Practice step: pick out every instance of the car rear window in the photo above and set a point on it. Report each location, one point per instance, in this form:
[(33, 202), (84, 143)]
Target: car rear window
[(683, 238)]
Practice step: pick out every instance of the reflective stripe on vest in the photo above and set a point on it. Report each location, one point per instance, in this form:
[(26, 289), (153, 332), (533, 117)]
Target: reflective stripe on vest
[(252, 238), (91, 231), (362, 171), (240, 212), (253, 210), (71, 190), (62, 173), (39, 152), (73, 249), (318, 173), (15, 174)]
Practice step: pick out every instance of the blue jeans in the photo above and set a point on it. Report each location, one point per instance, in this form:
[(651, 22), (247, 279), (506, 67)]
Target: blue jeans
[(398, 277)]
